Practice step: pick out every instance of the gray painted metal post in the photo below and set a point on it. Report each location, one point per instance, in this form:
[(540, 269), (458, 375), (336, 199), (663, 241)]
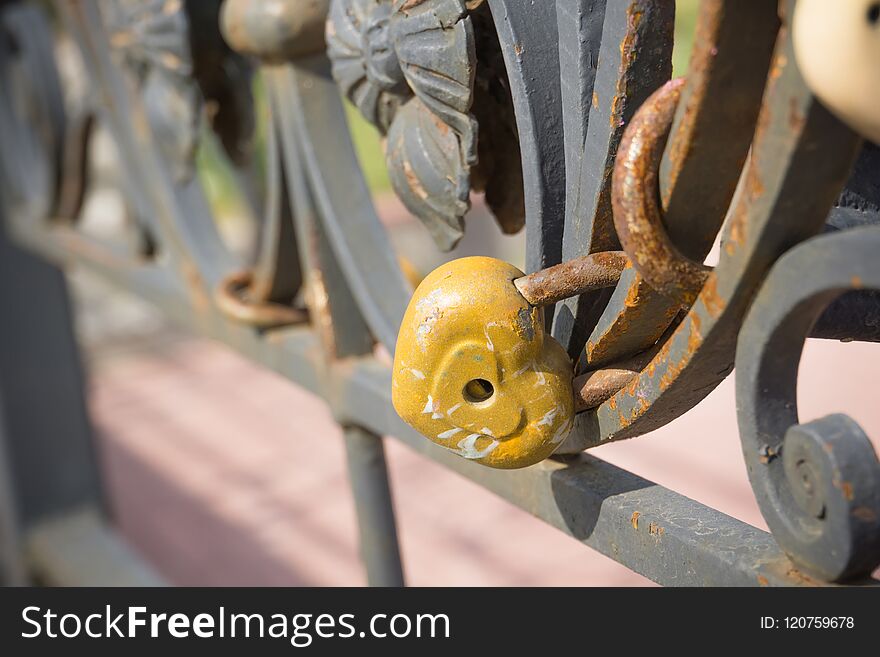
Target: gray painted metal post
[(45, 430), (350, 336), (377, 528)]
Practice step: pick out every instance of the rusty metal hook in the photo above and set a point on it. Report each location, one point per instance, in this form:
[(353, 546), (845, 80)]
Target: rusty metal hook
[(636, 201)]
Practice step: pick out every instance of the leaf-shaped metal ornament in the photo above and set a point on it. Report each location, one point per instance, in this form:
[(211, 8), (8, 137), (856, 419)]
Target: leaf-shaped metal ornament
[(434, 41), (410, 67), (365, 64), (427, 172), (152, 37), (433, 140)]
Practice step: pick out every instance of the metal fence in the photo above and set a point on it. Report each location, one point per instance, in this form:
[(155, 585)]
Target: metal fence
[(532, 103)]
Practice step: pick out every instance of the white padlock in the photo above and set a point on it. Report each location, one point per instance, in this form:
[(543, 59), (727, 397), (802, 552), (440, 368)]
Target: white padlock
[(837, 45)]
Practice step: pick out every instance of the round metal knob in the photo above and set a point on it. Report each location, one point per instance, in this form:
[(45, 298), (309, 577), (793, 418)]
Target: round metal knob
[(274, 30), (474, 370), (837, 45)]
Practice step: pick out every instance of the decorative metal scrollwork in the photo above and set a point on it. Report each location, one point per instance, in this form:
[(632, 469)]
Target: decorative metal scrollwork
[(595, 344), (181, 71), (411, 68), (818, 483), (152, 38)]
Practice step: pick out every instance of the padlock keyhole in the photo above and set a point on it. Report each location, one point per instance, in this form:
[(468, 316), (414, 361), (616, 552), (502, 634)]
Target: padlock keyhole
[(477, 391)]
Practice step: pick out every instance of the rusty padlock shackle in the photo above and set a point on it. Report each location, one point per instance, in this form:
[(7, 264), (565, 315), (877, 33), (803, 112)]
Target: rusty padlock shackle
[(572, 278)]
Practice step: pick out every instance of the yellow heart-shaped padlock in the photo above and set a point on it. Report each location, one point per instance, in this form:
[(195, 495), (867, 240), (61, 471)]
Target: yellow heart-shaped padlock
[(474, 371)]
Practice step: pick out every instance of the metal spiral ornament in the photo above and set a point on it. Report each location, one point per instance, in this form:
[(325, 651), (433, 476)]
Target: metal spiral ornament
[(817, 483)]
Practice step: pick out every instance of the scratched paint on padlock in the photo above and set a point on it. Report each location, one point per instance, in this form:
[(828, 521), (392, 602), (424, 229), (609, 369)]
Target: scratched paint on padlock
[(474, 372)]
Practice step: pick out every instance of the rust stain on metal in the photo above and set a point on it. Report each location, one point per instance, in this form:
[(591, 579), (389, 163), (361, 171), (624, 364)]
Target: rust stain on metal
[(712, 301), (673, 370), (633, 296), (594, 388), (779, 63), (635, 519), (695, 338), (656, 530), (631, 388), (846, 488), (442, 127), (605, 346), (865, 514), (781, 568), (767, 454), (701, 61), (628, 53), (753, 189), (196, 285)]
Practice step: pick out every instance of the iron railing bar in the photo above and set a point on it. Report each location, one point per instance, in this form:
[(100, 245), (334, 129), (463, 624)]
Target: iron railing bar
[(349, 337), (79, 548), (359, 240)]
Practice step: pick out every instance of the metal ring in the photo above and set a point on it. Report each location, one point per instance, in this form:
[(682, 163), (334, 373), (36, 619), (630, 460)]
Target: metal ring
[(635, 200), (232, 299)]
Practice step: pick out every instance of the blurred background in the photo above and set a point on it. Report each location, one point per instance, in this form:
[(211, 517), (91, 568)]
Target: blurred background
[(222, 473)]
